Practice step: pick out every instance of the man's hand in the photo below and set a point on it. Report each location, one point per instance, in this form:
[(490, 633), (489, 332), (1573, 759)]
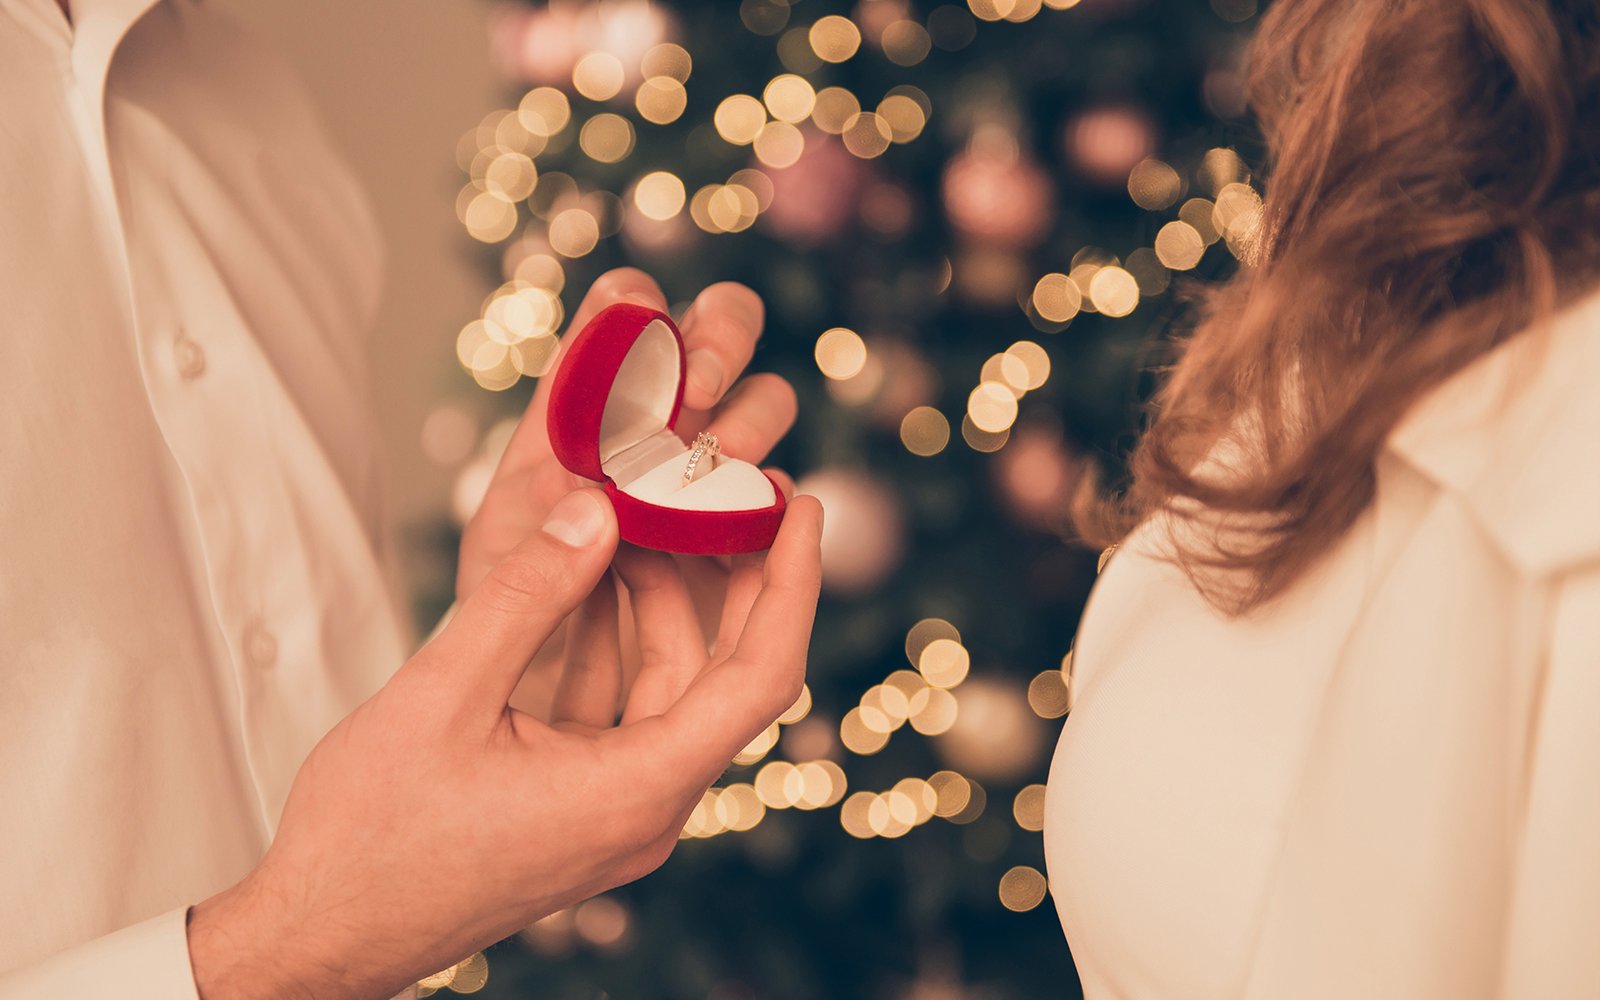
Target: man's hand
[(435, 819)]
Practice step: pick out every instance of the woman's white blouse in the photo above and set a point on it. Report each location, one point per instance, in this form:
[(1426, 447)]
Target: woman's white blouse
[(191, 592), (1385, 783)]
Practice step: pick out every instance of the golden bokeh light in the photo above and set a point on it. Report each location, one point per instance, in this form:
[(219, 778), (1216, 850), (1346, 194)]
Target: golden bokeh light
[(834, 39), (907, 682), (601, 921), (759, 747), (534, 358), (952, 793), (853, 815), (1179, 246), (739, 119), (981, 440), (489, 218), (906, 43), (799, 710), (790, 98), (574, 233), (667, 59), (992, 406), (1148, 270), (1114, 291), (861, 738), (779, 145), (606, 138), (1057, 298), (1047, 694), (1024, 10), (1022, 888), (1221, 167), (835, 108), (822, 784), (541, 271), (758, 183), (794, 51), (904, 116), (841, 353), (1028, 808), (876, 719), (779, 785), (920, 794), (1238, 217), (889, 702), (867, 135), (923, 633), (1154, 185), (764, 17), (510, 176), (924, 431), (944, 663), (992, 10), (1199, 212), (598, 76), (659, 195), (1008, 371), (544, 111), (933, 711), (1035, 362), (661, 100)]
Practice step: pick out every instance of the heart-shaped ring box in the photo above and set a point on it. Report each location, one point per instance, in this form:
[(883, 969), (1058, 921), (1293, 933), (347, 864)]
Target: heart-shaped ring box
[(614, 402)]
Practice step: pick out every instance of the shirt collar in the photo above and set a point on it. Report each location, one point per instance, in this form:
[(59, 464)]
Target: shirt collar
[(1515, 435), (98, 28)]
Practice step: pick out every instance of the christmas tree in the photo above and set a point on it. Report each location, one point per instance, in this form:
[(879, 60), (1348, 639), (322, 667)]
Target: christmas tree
[(969, 224)]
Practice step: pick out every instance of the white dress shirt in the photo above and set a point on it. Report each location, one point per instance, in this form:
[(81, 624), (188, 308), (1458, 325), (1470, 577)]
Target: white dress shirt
[(1385, 783), (191, 583)]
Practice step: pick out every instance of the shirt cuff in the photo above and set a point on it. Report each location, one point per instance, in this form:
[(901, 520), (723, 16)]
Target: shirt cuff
[(147, 961)]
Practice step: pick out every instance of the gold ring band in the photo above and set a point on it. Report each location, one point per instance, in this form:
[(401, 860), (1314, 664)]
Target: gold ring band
[(702, 457)]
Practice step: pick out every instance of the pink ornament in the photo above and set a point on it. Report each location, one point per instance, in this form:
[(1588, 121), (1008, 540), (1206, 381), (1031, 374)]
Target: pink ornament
[(1000, 197), (863, 532), (815, 199), (996, 737), (1108, 142), (1037, 473)]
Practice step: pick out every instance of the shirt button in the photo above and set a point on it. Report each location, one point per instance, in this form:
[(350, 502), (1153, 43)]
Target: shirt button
[(191, 358), (260, 646)]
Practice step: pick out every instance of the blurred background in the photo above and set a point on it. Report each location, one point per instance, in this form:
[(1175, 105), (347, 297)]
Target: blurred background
[(972, 223)]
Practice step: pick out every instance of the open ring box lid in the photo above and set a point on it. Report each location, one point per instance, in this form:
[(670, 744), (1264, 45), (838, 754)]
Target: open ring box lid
[(614, 402)]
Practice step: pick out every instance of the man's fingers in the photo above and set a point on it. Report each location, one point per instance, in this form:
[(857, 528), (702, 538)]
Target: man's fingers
[(591, 676), (744, 585), (755, 417), (720, 331), (624, 284), (482, 652), (672, 649), (728, 705)]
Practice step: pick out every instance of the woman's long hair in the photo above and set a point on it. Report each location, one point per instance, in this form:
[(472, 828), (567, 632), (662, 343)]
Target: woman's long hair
[(1431, 191)]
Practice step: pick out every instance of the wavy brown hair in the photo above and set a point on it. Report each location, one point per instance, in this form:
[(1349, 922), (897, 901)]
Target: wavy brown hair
[(1431, 192)]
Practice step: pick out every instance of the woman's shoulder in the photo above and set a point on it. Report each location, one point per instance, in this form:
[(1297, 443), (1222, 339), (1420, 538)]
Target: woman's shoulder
[(1516, 435)]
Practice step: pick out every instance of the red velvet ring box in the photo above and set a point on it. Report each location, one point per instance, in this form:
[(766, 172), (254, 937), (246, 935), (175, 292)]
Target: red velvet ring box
[(614, 402)]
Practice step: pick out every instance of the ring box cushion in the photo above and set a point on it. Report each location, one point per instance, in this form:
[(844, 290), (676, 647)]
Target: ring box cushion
[(614, 404)]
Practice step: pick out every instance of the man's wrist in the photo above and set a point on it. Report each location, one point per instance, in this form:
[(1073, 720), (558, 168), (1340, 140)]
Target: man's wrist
[(238, 949)]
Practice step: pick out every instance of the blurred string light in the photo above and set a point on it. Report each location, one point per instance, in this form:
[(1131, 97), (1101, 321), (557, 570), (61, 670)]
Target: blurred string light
[(467, 976)]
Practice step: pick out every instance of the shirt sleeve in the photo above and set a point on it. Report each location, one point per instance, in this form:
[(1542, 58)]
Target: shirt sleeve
[(147, 961), (1554, 920)]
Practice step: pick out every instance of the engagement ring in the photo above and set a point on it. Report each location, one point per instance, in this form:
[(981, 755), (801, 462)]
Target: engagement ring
[(703, 457)]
